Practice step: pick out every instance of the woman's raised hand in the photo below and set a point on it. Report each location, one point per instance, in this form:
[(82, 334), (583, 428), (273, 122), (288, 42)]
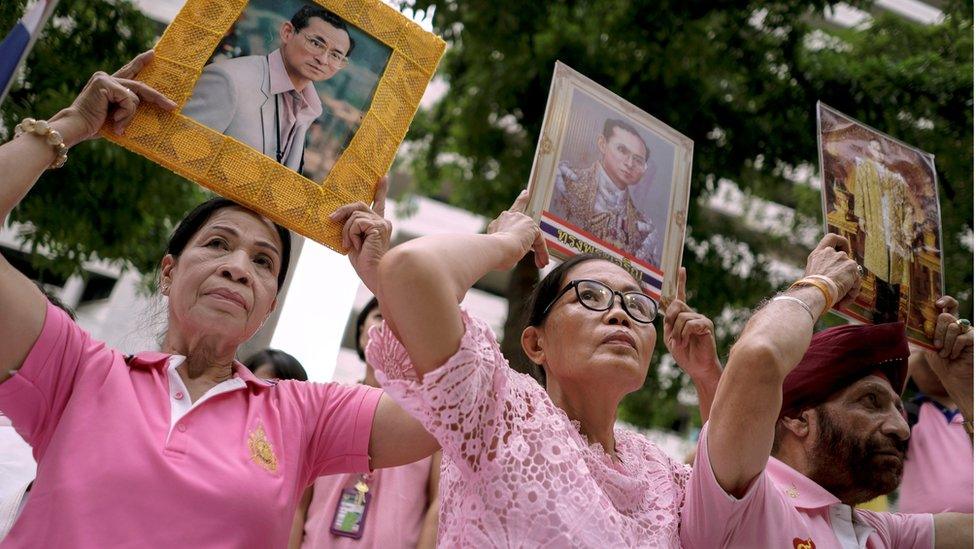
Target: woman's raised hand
[(109, 100), (520, 233), (366, 233), (689, 335)]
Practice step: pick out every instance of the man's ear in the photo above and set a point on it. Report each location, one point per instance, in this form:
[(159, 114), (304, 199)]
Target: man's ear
[(166, 267), (286, 31), (532, 340), (799, 425), (601, 143)]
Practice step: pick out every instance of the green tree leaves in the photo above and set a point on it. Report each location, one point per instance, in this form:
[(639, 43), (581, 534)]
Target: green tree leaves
[(741, 79), (105, 202)]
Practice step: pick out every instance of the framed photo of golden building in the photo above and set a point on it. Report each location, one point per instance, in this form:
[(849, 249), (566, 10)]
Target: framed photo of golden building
[(608, 178), (882, 195), (290, 107)]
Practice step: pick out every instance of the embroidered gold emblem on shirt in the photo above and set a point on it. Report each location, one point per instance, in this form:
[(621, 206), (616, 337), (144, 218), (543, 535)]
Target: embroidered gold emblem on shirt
[(261, 451)]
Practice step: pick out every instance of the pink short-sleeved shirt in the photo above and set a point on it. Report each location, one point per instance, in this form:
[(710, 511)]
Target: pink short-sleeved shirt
[(784, 508), (397, 508), (516, 472), (939, 465), (113, 472)]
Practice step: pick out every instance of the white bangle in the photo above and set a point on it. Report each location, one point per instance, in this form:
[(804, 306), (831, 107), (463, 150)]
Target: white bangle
[(797, 300)]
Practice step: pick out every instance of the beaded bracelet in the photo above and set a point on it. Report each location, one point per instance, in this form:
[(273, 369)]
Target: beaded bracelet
[(42, 128)]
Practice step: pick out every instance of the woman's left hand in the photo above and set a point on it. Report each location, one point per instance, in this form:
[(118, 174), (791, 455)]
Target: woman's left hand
[(522, 234), (366, 233), (689, 336), (109, 101)]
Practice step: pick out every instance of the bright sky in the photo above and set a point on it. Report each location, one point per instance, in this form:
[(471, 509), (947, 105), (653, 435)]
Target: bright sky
[(849, 16)]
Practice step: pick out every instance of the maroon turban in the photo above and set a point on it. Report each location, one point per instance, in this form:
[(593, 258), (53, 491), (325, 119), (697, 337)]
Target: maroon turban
[(837, 357)]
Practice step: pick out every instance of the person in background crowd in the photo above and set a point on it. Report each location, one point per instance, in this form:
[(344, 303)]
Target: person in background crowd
[(827, 407), (189, 447), (402, 501), (275, 364), (939, 464), (526, 465)]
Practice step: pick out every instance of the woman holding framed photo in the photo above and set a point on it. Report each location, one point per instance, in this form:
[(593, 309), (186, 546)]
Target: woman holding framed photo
[(525, 465), (184, 446)]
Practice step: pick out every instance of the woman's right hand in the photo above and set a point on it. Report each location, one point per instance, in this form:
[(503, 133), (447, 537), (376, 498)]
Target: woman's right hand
[(520, 233), (832, 259), (108, 99)]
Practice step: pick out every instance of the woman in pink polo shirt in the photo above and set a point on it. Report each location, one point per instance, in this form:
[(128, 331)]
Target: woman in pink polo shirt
[(526, 465), (183, 447)]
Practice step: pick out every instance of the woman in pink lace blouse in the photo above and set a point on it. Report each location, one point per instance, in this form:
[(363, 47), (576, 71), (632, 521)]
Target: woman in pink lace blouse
[(525, 465)]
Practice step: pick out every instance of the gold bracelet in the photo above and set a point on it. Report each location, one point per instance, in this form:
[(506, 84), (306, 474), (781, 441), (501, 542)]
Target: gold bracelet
[(42, 128), (828, 302), (831, 285)]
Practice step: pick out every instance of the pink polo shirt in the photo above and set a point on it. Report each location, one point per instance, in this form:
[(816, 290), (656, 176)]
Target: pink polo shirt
[(939, 465), (113, 472), (397, 508), (784, 508)]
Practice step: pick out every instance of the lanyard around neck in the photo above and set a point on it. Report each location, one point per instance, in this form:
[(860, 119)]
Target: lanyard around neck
[(279, 153)]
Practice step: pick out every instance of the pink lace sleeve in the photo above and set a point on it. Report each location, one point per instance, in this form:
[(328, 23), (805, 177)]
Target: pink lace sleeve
[(469, 402)]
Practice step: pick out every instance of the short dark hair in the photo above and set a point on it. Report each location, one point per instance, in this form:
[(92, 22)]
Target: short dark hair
[(284, 365), (198, 216), (613, 123), (301, 17), (360, 322)]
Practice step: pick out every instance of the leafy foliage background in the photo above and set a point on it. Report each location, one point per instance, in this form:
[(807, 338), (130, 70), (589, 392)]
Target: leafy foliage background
[(742, 80), (105, 202)]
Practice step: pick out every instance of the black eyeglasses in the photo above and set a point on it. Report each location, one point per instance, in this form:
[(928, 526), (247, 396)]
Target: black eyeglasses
[(597, 296)]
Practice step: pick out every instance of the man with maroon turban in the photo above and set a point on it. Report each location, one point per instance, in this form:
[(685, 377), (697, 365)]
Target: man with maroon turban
[(827, 407)]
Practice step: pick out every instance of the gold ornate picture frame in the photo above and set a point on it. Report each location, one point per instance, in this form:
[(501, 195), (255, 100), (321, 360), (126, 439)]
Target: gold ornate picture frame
[(242, 173), (882, 195), (640, 225)]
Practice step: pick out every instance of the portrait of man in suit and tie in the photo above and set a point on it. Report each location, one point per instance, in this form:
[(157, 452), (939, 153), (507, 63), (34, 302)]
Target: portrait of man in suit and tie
[(279, 102)]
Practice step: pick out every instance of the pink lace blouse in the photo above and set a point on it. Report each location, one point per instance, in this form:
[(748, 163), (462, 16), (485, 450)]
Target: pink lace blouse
[(516, 471)]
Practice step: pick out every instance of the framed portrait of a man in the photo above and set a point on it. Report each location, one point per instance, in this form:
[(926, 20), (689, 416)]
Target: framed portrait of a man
[(291, 107), (882, 195), (608, 178)]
